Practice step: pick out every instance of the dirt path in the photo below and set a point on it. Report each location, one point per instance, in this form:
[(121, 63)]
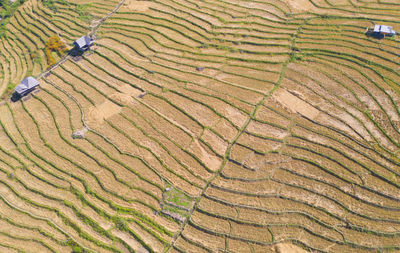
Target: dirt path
[(94, 26), (229, 149), (93, 31)]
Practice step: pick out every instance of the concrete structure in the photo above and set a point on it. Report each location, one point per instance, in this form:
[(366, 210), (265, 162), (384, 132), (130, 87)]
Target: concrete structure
[(27, 85), (83, 43)]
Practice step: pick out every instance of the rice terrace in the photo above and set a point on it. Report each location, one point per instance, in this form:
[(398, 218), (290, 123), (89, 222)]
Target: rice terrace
[(200, 126)]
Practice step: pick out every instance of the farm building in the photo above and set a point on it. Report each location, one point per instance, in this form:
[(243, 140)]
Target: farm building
[(27, 85), (384, 30), (83, 43)]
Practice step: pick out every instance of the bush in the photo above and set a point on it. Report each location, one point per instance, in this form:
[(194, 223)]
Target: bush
[(54, 44), (77, 249)]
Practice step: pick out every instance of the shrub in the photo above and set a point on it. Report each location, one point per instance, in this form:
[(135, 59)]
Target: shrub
[(77, 249), (54, 44)]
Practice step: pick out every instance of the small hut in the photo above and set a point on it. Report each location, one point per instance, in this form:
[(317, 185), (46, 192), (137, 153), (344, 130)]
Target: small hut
[(26, 86), (83, 43), (384, 30)]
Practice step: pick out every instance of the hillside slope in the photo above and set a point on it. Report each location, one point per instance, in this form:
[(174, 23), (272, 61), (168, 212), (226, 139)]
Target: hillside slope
[(203, 126)]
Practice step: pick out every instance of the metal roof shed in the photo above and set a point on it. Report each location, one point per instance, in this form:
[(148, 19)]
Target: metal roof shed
[(26, 86), (83, 42), (384, 29)]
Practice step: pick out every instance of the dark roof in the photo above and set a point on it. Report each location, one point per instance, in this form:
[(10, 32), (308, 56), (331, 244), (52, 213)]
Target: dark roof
[(83, 41), (26, 84)]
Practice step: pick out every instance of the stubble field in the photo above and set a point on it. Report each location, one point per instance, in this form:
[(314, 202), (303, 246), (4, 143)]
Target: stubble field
[(208, 126)]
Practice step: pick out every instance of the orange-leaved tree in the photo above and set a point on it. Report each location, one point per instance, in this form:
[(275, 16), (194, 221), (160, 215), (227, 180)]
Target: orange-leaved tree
[(54, 44)]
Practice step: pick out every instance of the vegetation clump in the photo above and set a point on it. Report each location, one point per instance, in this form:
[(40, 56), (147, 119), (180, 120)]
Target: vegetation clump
[(51, 4), (10, 87), (54, 44), (35, 55), (178, 197), (83, 13), (7, 10), (176, 204), (75, 247)]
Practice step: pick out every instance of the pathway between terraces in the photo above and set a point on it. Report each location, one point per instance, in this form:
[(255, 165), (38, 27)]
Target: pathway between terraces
[(95, 25)]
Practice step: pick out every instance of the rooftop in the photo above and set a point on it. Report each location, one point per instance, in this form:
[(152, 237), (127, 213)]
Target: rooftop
[(83, 41), (383, 29), (26, 84)]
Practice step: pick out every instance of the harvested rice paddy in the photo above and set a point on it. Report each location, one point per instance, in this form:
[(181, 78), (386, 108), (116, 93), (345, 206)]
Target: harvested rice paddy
[(202, 126)]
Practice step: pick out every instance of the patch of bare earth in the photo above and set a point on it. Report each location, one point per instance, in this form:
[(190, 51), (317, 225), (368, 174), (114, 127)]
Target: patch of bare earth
[(295, 104), (133, 5), (300, 5), (126, 95), (97, 114)]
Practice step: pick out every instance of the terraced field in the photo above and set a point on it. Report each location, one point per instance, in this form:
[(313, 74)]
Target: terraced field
[(203, 126)]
